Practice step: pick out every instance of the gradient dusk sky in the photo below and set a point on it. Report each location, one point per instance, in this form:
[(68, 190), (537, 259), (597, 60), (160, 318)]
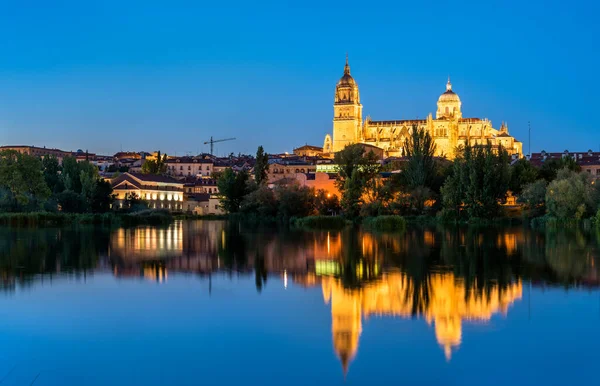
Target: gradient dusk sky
[(156, 75)]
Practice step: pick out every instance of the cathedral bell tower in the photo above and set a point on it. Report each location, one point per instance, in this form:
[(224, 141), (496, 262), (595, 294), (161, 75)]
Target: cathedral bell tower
[(347, 111)]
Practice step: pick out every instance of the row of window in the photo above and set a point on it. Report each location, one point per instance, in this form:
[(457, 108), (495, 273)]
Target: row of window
[(190, 167), (300, 170)]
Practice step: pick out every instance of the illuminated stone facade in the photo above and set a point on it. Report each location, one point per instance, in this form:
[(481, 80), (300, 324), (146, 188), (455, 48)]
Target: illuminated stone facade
[(449, 128)]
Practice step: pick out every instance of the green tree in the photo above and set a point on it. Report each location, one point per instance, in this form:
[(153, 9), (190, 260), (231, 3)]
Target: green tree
[(155, 166), (533, 197), (232, 189), (522, 172), (52, 169), (22, 179), (479, 182), (571, 195), (71, 202), (357, 174), (419, 172), (327, 203), (102, 197), (71, 174), (261, 201), (420, 169), (295, 201), (551, 166), (261, 167)]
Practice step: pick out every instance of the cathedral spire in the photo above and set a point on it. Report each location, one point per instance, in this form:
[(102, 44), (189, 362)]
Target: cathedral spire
[(347, 66), (448, 85)]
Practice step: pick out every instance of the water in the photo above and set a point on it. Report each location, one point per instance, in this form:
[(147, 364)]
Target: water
[(206, 303)]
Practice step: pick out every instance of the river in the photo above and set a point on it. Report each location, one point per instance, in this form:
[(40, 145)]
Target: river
[(213, 302)]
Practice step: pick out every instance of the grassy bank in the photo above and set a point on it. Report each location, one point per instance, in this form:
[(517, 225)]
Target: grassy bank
[(320, 222), (385, 223), (146, 217)]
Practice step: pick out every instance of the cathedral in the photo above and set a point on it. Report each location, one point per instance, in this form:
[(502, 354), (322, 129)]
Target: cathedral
[(449, 129)]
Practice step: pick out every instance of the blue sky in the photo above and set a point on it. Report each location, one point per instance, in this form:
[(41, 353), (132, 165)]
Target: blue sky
[(155, 75)]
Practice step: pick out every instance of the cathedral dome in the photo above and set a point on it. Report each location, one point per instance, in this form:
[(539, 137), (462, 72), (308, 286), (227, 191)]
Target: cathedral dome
[(347, 79), (449, 95)]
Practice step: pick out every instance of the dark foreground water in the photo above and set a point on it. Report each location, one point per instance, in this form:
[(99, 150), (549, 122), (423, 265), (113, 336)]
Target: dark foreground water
[(211, 303)]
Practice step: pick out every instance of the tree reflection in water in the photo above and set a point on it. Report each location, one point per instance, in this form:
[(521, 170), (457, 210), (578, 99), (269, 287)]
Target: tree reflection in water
[(446, 276)]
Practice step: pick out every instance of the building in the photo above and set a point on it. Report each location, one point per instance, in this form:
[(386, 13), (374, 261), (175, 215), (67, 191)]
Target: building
[(449, 129), (190, 166), (308, 151), (589, 161), (161, 192), (38, 151)]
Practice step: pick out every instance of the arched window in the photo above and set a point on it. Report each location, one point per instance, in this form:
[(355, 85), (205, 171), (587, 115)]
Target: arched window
[(447, 110)]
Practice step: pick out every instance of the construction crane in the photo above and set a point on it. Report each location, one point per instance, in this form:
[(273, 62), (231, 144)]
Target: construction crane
[(213, 141)]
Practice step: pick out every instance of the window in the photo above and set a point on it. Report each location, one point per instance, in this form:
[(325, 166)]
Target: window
[(181, 168), (589, 171), (447, 110)]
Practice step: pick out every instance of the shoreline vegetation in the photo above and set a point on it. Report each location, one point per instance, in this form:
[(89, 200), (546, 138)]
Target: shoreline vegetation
[(480, 186), (144, 217)]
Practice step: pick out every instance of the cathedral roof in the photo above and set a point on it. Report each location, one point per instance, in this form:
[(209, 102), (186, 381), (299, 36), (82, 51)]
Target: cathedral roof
[(347, 79), (449, 95)]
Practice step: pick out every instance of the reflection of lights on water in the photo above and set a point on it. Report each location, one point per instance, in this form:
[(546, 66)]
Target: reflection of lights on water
[(328, 244), (285, 279)]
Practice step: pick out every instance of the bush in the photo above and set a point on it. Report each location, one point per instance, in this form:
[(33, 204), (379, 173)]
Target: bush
[(385, 223), (320, 222)]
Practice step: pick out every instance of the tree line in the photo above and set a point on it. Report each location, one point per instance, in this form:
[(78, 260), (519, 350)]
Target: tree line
[(29, 184)]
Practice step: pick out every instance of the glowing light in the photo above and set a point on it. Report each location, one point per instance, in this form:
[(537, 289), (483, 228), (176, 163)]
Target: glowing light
[(169, 197), (285, 279), (147, 196), (162, 197), (154, 196)]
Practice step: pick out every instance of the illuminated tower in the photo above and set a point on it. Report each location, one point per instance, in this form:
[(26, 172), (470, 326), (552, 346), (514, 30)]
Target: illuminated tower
[(347, 111)]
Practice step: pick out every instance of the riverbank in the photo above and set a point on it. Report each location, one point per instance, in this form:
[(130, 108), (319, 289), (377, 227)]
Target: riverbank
[(145, 217)]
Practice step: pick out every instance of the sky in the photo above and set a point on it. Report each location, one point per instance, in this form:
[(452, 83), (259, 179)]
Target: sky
[(152, 75)]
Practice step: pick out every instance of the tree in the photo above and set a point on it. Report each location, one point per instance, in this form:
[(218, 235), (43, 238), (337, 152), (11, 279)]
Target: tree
[(419, 169), (571, 195), (157, 166), (327, 203), (71, 174), (134, 202), (533, 196), (551, 166), (479, 182), (357, 174), (232, 189), (295, 201), (102, 197), (522, 173), (419, 173), (261, 201), (71, 202), (51, 168), (22, 179), (261, 167)]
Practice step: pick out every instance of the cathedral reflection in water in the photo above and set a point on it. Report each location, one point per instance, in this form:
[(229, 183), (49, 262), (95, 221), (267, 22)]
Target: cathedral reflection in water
[(361, 275)]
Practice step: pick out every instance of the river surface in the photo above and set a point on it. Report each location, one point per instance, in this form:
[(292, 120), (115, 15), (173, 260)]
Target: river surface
[(217, 303)]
